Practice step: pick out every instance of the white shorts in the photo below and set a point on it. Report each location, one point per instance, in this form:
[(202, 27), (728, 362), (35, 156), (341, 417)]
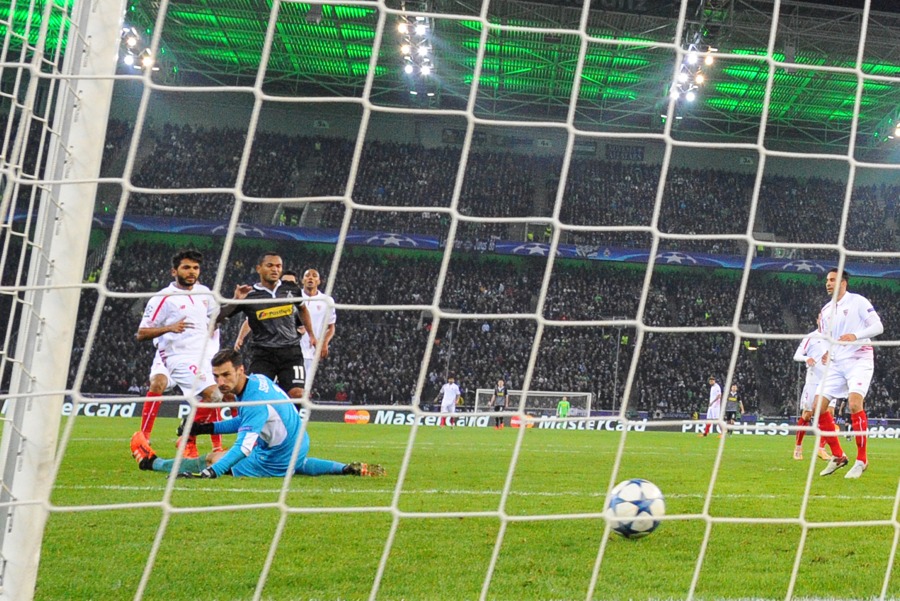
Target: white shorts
[(184, 372), (448, 407), (713, 412), (309, 370), (808, 398), (846, 376)]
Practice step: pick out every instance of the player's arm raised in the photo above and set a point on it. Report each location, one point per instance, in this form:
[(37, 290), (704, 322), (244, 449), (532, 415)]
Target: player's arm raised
[(240, 293)]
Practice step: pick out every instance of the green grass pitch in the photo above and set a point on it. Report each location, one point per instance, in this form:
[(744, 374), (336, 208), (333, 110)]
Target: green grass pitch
[(97, 548)]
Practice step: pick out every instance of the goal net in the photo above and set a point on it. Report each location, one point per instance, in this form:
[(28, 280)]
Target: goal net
[(536, 403), (611, 198)]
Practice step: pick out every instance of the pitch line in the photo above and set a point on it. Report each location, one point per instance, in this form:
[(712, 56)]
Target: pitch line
[(461, 492)]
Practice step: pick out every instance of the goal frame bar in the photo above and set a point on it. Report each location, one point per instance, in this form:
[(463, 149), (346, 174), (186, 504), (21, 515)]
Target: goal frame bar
[(488, 392)]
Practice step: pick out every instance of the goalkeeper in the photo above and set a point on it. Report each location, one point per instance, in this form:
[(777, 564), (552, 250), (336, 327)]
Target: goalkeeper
[(562, 408), (266, 434)]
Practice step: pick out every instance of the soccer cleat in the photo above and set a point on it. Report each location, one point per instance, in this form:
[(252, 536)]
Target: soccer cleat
[(219, 450), (364, 469), (857, 470), (798, 453), (834, 465), (141, 451), (823, 454), (190, 449)]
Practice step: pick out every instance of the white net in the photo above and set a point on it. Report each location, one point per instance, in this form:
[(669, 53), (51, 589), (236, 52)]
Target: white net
[(502, 188)]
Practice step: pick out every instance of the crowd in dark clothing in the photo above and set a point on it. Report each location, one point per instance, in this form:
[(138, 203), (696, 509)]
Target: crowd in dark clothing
[(497, 184), (377, 354)]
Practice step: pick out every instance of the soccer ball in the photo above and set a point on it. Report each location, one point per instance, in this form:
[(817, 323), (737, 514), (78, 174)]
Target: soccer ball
[(634, 508)]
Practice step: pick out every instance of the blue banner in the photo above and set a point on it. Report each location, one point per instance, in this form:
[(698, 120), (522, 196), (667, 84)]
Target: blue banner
[(503, 247)]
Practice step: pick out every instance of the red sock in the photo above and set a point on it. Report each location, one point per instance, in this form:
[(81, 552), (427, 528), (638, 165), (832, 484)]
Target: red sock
[(149, 413), (706, 429), (837, 429), (206, 415), (443, 420), (860, 424), (826, 424), (801, 433)]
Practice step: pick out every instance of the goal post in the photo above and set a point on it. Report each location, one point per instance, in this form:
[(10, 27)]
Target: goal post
[(73, 131), (537, 402)]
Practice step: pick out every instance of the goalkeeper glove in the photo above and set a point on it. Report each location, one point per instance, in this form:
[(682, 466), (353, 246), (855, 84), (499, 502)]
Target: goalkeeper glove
[(196, 429), (205, 473)]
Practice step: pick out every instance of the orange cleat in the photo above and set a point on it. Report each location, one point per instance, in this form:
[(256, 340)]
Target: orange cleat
[(141, 451)]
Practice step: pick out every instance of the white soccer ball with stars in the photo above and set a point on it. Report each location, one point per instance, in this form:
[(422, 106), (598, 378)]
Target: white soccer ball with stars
[(634, 508)]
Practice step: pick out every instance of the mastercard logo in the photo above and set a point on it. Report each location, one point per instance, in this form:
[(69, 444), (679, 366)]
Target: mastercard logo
[(356, 416), (516, 421)]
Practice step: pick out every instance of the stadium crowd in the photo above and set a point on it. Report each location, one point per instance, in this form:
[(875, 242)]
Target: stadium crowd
[(377, 353), (496, 184)]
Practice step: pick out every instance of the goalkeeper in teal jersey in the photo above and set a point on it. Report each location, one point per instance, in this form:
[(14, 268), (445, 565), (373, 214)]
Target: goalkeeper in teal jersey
[(266, 434)]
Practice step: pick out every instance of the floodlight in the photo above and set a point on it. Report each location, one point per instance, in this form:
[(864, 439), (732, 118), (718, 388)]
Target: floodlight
[(403, 27)]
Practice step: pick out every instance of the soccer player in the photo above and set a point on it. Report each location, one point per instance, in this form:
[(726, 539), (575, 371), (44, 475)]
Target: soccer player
[(499, 400), (275, 345), (266, 434), (732, 404), (851, 318), (715, 405), (323, 317), (448, 396), (287, 277), (177, 320), (810, 352), (562, 407)]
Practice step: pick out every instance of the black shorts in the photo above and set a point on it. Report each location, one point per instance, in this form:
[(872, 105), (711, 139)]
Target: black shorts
[(283, 365), (499, 407), (730, 416)]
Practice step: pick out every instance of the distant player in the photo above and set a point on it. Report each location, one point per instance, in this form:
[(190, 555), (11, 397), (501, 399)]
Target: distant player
[(715, 405), (500, 402), (563, 407), (848, 318), (323, 317), (266, 434), (449, 395), (177, 320), (733, 405), (810, 353)]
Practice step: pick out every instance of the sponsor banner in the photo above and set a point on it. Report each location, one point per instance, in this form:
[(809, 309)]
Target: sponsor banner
[(131, 409), (516, 421), (356, 416), (504, 247)]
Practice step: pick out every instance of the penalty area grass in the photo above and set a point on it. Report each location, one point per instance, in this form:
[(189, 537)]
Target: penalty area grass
[(214, 536)]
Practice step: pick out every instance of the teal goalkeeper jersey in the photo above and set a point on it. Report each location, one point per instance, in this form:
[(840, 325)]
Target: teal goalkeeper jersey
[(269, 431)]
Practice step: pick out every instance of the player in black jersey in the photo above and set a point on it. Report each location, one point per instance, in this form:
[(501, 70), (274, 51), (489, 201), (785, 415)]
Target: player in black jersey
[(274, 316), (500, 402)]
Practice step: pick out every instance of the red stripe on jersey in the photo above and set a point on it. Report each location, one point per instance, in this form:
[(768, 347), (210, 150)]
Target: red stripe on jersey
[(155, 313)]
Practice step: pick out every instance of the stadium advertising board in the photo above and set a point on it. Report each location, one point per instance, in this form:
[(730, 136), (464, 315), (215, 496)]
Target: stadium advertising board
[(391, 417)]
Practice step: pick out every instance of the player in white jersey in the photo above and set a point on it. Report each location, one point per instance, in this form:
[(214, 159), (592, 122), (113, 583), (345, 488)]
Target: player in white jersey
[(448, 396), (848, 318), (715, 405), (177, 320), (323, 316), (810, 352)]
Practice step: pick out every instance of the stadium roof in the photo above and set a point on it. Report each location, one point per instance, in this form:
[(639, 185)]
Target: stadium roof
[(630, 60)]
